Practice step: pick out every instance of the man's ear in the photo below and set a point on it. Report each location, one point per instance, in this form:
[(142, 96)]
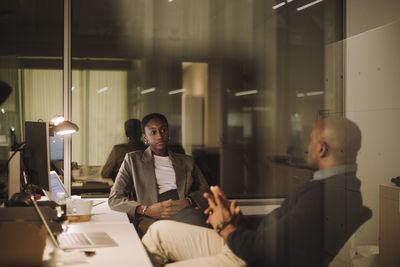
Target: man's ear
[(323, 149)]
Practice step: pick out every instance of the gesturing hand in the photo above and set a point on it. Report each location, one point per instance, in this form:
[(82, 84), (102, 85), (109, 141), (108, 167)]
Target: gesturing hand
[(220, 209)]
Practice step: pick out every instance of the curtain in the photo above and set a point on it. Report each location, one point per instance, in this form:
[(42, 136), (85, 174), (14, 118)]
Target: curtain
[(99, 108)]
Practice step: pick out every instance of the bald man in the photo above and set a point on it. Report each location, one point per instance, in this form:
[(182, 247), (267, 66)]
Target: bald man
[(309, 228)]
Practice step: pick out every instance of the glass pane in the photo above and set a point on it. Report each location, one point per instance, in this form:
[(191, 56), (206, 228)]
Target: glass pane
[(241, 95), (31, 53)]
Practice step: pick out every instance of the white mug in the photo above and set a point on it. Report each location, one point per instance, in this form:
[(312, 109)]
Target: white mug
[(79, 206)]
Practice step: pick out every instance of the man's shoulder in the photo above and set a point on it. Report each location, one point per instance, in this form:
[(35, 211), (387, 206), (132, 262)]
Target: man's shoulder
[(347, 181), (120, 146), (129, 147), (136, 153)]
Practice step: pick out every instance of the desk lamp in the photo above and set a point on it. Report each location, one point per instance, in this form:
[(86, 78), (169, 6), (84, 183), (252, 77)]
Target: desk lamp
[(65, 127)]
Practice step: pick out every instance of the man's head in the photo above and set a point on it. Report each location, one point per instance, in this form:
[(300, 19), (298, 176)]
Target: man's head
[(133, 129), (5, 91), (333, 141)]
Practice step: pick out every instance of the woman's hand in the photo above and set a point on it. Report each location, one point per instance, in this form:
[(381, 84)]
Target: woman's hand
[(180, 204), (164, 210)]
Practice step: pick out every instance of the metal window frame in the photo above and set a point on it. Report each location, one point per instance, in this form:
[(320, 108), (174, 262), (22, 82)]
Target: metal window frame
[(67, 92)]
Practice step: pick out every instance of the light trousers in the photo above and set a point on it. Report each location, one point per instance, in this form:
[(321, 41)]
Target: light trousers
[(188, 245)]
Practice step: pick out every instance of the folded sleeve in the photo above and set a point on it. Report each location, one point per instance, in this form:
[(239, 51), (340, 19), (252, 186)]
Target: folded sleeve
[(119, 198)]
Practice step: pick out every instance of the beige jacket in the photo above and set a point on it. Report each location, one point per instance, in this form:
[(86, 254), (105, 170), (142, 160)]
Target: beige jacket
[(136, 182)]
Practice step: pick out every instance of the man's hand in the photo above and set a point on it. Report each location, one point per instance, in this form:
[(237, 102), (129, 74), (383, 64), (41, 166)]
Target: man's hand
[(164, 210), (220, 208)]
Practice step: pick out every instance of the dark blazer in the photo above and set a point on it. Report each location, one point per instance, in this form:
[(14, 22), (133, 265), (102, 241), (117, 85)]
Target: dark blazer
[(117, 155), (310, 227), (136, 182)]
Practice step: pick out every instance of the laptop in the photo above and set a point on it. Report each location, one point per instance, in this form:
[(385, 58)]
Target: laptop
[(75, 240), (55, 186), (78, 240)]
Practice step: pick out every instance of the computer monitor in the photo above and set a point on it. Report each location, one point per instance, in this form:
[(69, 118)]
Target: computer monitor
[(56, 146), (36, 154), (56, 152)]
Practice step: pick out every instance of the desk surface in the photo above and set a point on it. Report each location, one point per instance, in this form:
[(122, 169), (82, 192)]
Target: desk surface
[(130, 251), (103, 214)]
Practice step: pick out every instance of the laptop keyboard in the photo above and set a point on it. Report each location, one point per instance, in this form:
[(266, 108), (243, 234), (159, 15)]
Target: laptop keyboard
[(73, 239)]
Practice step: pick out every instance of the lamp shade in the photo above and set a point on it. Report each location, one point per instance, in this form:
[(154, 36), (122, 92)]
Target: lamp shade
[(66, 127)]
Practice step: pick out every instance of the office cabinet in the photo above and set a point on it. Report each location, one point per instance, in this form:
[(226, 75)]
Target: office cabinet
[(389, 226)]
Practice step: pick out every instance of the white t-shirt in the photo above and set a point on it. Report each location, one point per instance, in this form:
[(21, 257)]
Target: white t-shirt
[(165, 174)]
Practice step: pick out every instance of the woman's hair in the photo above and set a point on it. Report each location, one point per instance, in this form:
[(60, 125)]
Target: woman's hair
[(151, 116)]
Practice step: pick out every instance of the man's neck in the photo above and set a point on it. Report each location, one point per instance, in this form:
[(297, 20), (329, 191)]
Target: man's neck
[(334, 170), (331, 162)]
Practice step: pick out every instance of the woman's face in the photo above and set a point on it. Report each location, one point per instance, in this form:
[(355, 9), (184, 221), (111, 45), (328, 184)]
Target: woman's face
[(157, 136)]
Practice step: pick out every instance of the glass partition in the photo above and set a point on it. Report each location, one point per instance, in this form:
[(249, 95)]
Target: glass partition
[(31, 53), (241, 82)]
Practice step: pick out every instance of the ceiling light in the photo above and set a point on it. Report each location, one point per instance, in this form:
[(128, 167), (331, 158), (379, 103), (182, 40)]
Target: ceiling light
[(173, 92), (102, 90), (313, 93), (279, 5), (146, 91), (308, 5), (250, 92)]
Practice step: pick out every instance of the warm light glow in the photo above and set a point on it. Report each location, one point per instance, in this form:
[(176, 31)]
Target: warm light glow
[(3, 111), (249, 92), (308, 5), (173, 92), (146, 91), (279, 5), (73, 88), (66, 132)]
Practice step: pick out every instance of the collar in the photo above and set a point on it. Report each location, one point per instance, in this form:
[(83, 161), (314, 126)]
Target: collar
[(148, 155), (332, 171)]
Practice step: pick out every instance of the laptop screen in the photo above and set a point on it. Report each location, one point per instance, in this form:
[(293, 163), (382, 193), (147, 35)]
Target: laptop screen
[(56, 186)]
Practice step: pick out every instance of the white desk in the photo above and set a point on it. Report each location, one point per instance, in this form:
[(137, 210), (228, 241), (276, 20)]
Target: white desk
[(103, 214), (130, 251)]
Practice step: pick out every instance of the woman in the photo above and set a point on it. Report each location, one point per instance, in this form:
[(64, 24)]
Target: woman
[(133, 132), (157, 183)]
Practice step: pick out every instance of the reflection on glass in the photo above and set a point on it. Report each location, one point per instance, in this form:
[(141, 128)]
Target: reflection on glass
[(241, 95)]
